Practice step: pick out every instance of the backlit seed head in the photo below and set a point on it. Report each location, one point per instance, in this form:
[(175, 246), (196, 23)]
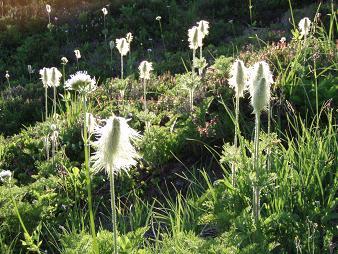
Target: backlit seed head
[(122, 45), (304, 26), (48, 8), (260, 95), (77, 53), (260, 80), (55, 76), (145, 68), (105, 11), (64, 60), (203, 27), (195, 38), (129, 37), (114, 149), (238, 77), (45, 74)]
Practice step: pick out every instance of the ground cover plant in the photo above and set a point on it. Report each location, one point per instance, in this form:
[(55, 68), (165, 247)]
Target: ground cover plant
[(168, 127)]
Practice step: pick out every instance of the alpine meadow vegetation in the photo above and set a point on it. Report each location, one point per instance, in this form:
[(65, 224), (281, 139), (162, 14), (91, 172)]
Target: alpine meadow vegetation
[(168, 127)]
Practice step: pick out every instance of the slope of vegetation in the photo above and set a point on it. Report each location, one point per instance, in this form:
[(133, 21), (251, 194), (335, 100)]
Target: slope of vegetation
[(182, 196)]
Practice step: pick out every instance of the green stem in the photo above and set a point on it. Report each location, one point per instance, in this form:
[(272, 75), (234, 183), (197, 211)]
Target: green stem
[(269, 132), (201, 52), (86, 153), (162, 36), (292, 17), (250, 10), (256, 202), (113, 207), (316, 89)]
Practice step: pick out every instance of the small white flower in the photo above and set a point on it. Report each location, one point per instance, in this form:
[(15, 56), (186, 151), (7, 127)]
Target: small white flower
[(45, 74), (282, 40), (145, 68), (48, 8), (238, 77), (64, 60), (158, 18), (114, 150), (203, 27), (105, 11), (195, 38), (7, 75), (55, 76), (122, 45), (4, 175), (77, 53), (81, 82), (129, 37), (304, 26)]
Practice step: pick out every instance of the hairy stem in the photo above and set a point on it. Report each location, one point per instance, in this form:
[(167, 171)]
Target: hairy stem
[(113, 206), (256, 201)]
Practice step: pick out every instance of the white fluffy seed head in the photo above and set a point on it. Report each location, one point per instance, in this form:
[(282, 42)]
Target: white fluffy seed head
[(105, 11), (203, 27), (238, 77), (129, 37), (77, 53), (259, 86), (145, 68), (81, 82), (260, 95), (259, 70), (48, 8), (114, 149), (304, 26), (64, 60), (195, 38), (123, 46), (45, 76), (5, 175), (55, 76)]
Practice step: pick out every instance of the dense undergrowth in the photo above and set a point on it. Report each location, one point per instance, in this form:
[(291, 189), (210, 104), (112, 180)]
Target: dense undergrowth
[(180, 197)]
